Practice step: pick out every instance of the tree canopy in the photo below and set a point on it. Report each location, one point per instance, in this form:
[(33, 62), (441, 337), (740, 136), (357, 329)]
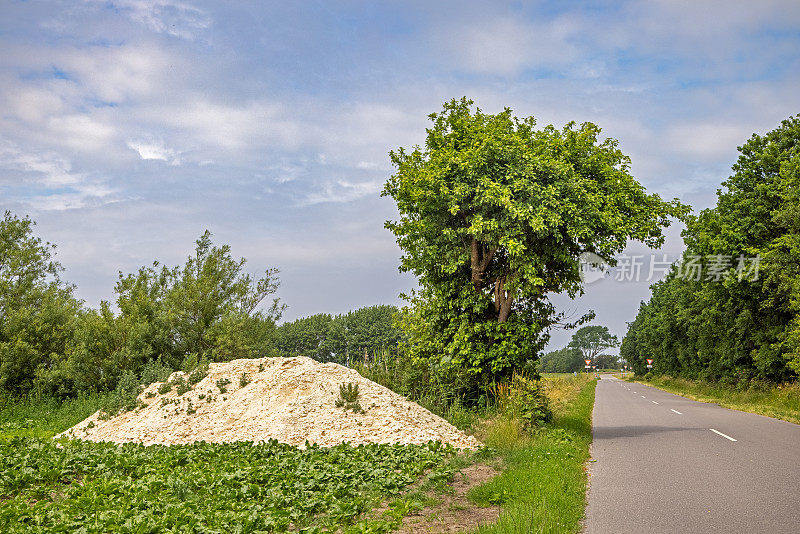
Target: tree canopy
[(494, 216)]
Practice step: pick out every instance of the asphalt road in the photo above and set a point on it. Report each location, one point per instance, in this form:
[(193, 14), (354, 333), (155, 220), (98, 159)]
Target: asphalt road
[(663, 463)]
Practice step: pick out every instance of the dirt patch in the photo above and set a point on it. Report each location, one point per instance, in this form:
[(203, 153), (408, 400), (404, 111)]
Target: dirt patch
[(291, 400), (454, 512)]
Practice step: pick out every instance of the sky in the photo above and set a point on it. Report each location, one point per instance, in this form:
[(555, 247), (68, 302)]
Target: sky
[(129, 127)]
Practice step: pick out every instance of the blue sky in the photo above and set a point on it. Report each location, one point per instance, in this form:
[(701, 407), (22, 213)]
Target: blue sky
[(127, 128)]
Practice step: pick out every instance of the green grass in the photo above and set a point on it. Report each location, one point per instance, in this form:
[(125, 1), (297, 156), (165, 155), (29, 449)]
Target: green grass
[(778, 401), (543, 485), (44, 418)]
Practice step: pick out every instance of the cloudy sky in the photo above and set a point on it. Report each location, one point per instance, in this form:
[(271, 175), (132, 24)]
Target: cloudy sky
[(129, 127)]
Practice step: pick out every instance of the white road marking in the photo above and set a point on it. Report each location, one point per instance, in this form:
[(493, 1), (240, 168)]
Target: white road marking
[(642, 396), (676, 411), (721, 434), (654, 402)]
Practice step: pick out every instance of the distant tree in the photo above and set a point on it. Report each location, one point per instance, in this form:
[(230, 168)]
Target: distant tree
[(494, 217), (342, 337), (591, 341), (606, 361), (566, 360)]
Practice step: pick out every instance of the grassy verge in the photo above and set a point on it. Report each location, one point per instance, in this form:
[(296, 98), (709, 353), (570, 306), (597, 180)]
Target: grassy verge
[(780, 402), (543, 485)]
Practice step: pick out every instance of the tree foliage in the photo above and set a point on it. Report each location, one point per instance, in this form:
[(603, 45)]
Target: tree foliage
[(494, 215), (37, 310), (341, 338), (208, 308), (736, 327), (591, 341)]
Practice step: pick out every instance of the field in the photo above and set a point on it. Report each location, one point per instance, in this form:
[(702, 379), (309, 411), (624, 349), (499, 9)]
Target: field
[(778, 401), (240, 487), (69, 486)]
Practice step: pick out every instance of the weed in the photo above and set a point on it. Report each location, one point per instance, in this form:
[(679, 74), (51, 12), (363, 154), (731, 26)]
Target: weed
[(223, 384), (165, 388), (244, 380), (150, 394), (190, 410), (261, 367), (182, 386), (348, 398)]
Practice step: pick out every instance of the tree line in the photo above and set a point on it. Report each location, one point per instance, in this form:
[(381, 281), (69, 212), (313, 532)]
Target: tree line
[(729, 310), (161, 319)]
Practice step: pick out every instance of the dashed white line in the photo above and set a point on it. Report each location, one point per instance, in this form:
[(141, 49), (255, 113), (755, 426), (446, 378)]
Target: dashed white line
[(721, 434), (642, 396), (676, 411), (654, 402)]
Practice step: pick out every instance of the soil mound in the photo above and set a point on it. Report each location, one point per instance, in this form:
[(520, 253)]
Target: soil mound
[(292, 400)]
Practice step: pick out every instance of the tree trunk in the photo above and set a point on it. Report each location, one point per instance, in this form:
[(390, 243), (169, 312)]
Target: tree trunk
[(502, 300), (480, 257)]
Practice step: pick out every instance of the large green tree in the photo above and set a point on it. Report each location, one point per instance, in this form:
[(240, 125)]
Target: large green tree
[(494, 217)]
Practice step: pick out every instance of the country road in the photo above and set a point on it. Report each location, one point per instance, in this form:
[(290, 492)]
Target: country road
[(663, 463)]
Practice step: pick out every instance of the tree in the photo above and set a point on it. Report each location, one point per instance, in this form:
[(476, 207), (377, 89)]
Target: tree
[(565, 360), (37, 310), (591, 341), (494, 216), (208, 308), (741, 324)]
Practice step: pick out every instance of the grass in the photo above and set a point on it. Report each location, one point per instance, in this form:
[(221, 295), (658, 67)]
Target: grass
[(44, 418), (543, 485), (778, 401)]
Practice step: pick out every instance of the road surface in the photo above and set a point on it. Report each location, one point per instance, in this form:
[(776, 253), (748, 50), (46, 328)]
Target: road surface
[(663, 463)]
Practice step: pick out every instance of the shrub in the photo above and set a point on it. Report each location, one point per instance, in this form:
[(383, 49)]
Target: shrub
[(348, 398), (155, 371), (523, 397), (199, 372), (123, 398), (244, 380)]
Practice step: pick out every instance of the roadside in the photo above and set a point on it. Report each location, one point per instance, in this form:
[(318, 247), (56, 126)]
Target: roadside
[(779, 401)]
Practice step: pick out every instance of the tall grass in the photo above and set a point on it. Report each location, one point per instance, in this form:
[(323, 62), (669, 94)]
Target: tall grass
[(543, 485)]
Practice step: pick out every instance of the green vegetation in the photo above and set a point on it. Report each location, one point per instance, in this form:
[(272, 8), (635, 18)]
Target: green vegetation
[(44, 418), (241, 487), (587, 343), (348, 398), (781, 401), (494, 217), (730, 312), (542, 487), (341, 338), (50, 344)]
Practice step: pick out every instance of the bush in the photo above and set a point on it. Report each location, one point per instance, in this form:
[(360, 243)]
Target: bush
[(124, 395), (348, 398), (523, 397)]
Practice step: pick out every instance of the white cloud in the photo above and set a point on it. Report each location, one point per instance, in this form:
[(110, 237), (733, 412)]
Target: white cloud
[(149, 149), (342, 191), (506, 46), (178, 19)]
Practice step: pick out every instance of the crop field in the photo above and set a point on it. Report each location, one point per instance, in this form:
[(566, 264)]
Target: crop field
[(241, 487)]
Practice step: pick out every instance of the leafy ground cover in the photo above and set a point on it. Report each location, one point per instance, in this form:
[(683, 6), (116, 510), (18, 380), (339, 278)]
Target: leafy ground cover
[(779, 401), (233, 488), (543, 484), (240, 487)]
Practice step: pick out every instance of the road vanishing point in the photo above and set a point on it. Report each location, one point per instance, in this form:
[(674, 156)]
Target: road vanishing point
[(662, 463)]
